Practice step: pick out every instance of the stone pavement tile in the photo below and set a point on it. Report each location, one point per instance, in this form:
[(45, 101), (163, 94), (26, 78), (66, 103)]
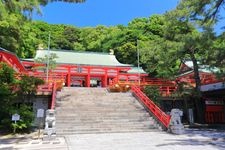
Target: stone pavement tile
[(46, 142), (145, 141), (35, 141), (57, 144)]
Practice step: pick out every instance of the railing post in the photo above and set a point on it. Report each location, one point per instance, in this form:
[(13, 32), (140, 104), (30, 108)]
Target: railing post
[(88, 78), (168, 91), (105, 78), (69, 77)]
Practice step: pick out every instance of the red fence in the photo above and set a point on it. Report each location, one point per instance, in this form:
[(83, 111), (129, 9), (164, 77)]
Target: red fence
[(162, 117), (215, 114), (166, 88)]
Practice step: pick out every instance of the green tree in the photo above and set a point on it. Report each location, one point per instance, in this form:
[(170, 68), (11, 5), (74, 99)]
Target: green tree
[(11, 90), (204, 11), (204, 46), (180, 41), (153, 93), (7, 97), (27, 86), (47, 59), (13, 17), (215, 54)]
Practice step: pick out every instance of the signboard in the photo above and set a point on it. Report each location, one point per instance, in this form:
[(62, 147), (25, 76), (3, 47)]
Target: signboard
[(93, 82), (79, 69), (15, 117), (40, 113), (190, 115), (213, 86), (211, 102)]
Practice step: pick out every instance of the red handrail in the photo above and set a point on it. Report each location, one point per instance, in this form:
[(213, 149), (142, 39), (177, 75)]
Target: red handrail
[(53, 95), (166, 88), (57, 85), (156, 111)]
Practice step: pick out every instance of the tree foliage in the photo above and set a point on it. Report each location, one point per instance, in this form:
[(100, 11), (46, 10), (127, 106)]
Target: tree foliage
[(6, 95), (15, 28), (153, 93), (47, 60), (13, 98), (207, 11)]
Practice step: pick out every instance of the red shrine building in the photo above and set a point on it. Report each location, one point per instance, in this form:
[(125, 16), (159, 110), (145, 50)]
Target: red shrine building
[(88, 69), (212, 88)]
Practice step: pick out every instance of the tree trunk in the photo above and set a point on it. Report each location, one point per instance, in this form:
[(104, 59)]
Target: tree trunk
[(196, 74), (197, 93)]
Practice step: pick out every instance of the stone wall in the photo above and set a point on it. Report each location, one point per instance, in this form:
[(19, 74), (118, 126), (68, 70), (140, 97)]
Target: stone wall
[(40, 102)]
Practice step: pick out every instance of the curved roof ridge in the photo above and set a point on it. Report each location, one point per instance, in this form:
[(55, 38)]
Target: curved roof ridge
[(74, 51)]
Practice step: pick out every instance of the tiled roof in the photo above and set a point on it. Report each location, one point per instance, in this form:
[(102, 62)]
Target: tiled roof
[(202, 68), (135, 70), (82, 58)]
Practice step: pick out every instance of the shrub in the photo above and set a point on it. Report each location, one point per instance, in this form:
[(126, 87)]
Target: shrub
[(153, 93)]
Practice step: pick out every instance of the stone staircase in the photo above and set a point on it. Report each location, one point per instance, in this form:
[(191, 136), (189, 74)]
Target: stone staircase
[(95, 110)]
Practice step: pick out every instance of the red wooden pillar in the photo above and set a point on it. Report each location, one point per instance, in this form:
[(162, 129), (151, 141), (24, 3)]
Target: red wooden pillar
[(62, 79), (167, 91), (69, 77), (117, 74), (88, 78), (126, 78), (105, 78), (143, 79)]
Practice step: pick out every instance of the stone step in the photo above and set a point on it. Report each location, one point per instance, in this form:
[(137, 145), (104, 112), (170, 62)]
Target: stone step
[(85, 116), (100, 121), (99, 111), (118, 129), (77, 99), (67, 94), (98, 131), (96, 122), (102, 116), (103, 125), (89, 119), (86, 92), (99, 98), (98, 104), (94, 117)]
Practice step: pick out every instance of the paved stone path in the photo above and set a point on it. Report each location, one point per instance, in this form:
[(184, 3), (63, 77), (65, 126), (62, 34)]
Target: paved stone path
[(191, 140)]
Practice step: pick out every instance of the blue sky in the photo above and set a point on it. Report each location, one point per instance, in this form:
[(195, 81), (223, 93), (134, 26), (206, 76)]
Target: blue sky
[(105, 12), (102, 12)]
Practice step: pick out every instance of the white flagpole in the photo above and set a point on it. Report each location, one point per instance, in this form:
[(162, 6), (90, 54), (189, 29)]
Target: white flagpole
[(49, 38)]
